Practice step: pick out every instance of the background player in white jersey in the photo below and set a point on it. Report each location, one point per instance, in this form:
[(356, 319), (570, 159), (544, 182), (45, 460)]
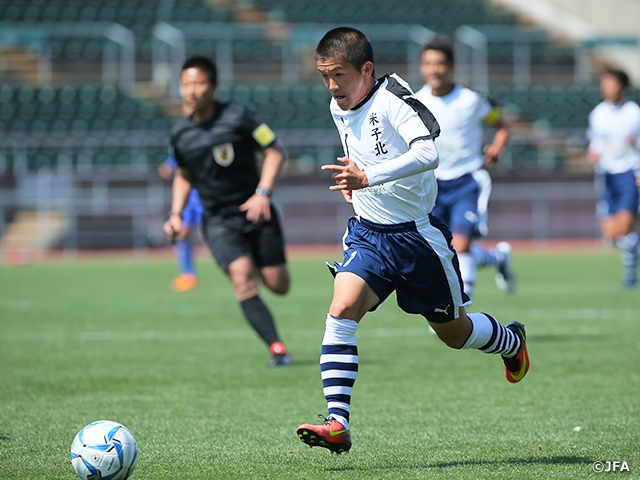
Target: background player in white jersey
[(393, 243), (463, 185), (614, 149)]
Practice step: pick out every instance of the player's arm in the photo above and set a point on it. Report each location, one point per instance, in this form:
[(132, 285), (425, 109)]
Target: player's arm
[(594, 149), (493, 151), (180, 192), (166, 168), (421, 156), (258, 206)]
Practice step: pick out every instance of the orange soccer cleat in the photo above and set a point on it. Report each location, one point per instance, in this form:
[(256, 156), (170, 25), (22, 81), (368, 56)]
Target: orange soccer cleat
[(515, 368), (330, 434), (186, 281)]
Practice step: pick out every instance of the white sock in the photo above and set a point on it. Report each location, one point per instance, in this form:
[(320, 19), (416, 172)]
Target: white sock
[(468, 271)]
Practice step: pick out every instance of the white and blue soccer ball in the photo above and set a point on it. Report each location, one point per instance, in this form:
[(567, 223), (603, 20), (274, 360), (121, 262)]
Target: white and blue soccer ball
[(104, 450)]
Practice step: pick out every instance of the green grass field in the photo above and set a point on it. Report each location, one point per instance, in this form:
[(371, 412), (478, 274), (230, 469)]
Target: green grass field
[(109, 340)]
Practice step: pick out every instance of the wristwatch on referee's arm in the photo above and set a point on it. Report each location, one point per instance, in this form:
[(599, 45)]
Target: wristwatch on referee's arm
[(263, 191), (172, 213)]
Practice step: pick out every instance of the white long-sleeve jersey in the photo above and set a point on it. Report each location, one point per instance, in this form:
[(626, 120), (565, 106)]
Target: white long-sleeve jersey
[(389, 135)]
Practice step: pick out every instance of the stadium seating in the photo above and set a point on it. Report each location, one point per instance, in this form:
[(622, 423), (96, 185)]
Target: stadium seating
[(82, 110), (423, 12), (76, 108), (78, 103), (134, 14), (560, 106)]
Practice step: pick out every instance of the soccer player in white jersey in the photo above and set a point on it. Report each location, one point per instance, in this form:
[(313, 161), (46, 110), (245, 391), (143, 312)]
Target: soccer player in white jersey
[(392, 243), (463, 184), (614, 149)]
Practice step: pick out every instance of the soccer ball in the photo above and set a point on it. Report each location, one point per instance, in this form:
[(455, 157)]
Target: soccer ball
[(104, 450)]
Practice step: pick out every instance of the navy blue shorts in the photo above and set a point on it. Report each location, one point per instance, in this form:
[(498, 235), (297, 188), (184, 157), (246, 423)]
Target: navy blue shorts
[(192, 212), (415, 259), (618, 192), (457, 204)]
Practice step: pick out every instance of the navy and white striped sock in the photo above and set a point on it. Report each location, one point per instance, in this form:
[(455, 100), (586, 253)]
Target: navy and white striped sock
[(489, 336), (339, 366)]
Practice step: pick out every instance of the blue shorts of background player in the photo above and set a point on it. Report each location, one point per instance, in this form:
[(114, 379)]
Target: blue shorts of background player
[(462, 205), (184, 246), (457, 205), (618, 205), (618, 191)]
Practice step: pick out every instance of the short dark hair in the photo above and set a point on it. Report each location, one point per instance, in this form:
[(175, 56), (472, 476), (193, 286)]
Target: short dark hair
[(619, 75), (345, 43), (205, 64), (441, 44)]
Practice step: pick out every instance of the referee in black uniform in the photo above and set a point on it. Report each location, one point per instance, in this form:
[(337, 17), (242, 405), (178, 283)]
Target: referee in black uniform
[(216, 149)]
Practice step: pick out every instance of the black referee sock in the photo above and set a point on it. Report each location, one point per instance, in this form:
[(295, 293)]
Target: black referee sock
[(260, 318)]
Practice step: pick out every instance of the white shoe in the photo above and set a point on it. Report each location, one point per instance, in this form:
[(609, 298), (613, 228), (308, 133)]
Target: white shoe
[(505, 276)]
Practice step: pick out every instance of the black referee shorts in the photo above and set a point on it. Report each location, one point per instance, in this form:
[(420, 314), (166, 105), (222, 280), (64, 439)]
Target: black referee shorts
[(230, 235)]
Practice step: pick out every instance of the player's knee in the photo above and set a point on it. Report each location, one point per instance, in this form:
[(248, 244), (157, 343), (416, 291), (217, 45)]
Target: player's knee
[(345, 310), (277, 279), (281, 287)]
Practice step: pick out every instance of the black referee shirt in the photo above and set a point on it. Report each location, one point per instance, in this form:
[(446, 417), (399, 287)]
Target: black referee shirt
[(221, 154)]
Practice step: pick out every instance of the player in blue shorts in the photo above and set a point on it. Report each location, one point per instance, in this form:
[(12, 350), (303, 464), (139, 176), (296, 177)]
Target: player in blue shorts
[(614, 149), (392, 243), (184, 243), (464, 185)]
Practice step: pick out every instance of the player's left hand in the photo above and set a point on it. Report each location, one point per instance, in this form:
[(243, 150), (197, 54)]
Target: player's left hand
[(491, 155), (638, 180), (347, 176), (257, 208)]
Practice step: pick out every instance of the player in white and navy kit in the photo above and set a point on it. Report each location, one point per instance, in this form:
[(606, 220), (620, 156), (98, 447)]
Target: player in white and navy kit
[(614, 149), (463, 184), (393, 243)]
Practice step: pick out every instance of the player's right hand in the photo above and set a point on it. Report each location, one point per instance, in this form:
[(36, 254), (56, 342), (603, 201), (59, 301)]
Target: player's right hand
[(592, 156), (347, 176), (172, 227)]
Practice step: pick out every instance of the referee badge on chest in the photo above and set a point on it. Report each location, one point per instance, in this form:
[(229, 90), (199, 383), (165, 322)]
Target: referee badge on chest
[(223, 154)]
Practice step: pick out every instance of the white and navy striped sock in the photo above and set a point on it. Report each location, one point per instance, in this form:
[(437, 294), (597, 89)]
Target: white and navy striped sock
[(489, 336), (339, 366)]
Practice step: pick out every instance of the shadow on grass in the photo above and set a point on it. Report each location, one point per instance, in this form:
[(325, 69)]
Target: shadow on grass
[(316, 362), (569, 338), (561, 460)]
